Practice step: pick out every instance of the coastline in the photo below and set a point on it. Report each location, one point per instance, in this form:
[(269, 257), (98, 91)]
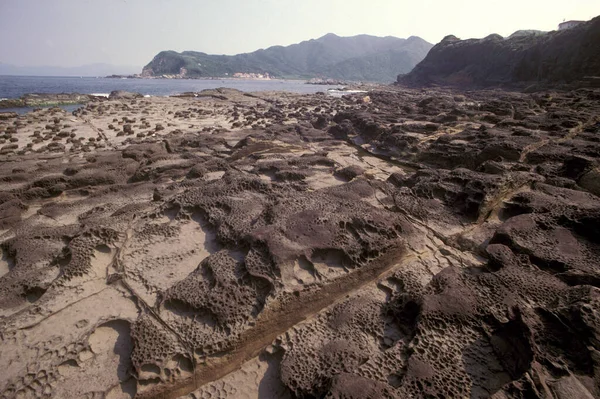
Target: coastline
[(34, 100)]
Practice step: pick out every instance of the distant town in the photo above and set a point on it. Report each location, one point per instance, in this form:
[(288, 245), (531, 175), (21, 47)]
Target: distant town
[(242, 75)]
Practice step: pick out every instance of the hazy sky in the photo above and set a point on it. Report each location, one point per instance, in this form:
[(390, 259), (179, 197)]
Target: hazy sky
[(131, 32)]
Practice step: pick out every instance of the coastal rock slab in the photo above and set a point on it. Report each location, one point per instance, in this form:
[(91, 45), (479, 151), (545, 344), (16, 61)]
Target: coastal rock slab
[(423, 243)]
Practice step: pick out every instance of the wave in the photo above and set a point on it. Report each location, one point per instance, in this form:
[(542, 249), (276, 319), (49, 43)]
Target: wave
[(340, 93), (107, 94), (346, 91)]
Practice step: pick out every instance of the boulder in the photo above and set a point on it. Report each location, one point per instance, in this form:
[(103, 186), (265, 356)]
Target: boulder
[(123, 95), (591, 181), (7, 115)]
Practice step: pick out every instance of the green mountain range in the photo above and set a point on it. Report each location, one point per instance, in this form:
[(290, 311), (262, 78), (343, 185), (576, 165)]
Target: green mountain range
[(356, 58)]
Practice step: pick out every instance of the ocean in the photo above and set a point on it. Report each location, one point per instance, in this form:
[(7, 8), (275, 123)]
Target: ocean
[(16, 86)]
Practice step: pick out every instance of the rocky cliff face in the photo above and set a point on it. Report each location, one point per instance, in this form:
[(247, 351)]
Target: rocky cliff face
[(529, 57), (363, 57)]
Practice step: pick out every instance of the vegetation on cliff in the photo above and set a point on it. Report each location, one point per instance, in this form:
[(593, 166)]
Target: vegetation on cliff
[(363, 57), (556, 57)]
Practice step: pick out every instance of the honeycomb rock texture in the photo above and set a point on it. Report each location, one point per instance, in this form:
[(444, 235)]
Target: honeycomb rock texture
[(405, 244)]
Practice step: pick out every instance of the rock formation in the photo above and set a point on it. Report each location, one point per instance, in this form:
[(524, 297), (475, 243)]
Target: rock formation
[(47, 99), (415, 243), (525, 58)]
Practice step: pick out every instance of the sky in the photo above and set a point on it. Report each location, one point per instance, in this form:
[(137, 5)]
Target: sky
[(131, 32)]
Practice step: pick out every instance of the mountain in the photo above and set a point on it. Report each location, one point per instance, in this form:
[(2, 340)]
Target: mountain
[(523, 58), (84, 70), (363, 57)]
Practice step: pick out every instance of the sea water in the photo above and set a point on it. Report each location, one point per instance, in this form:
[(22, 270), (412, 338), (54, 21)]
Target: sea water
[(16, 86)]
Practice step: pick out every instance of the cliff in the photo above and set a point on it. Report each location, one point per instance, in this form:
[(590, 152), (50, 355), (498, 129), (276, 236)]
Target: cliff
[(526, 57)]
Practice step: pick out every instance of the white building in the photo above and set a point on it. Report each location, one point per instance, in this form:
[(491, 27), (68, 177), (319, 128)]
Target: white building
[(569, 24)]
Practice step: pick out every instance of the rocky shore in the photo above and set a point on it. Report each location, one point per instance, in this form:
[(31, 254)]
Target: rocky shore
[(47, 99), (400, 243)]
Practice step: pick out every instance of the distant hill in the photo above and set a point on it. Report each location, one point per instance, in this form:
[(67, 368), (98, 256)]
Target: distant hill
[(84, 70), (525, 57), (363, 57)]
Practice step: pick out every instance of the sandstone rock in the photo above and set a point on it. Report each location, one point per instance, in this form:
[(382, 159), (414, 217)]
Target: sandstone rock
[(123, 95), (7, 115), (570, 388), (591, 181), (398, 253)]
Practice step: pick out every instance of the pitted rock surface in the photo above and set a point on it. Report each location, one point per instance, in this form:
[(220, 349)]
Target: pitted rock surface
[(415, 244)]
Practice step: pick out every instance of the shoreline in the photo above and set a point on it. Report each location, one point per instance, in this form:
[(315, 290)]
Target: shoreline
[(34, 100)]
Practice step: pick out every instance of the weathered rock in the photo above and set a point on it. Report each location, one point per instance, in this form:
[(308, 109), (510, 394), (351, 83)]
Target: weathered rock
[(7, 115), (591, 181), (47, 99), (423, 244), (123, 95), (552, 58)]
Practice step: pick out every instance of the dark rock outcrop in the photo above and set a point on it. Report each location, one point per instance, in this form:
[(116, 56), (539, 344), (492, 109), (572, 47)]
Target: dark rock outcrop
[(123, 95), (559, 57), (47, 99)]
